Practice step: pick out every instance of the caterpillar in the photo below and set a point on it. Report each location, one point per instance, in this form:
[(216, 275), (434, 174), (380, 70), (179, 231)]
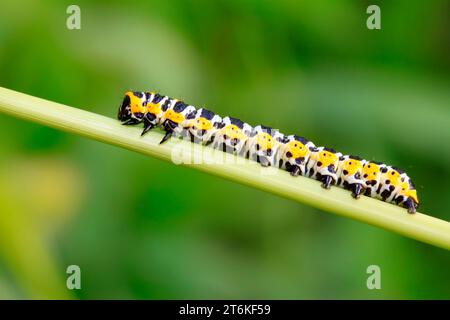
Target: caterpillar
[(269, 147)]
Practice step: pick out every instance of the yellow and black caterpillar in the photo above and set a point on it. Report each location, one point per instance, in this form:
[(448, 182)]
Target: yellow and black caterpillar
[(269, 147)]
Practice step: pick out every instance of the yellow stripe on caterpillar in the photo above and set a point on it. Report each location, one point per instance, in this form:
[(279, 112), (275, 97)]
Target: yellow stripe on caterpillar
[(174, 116), (154, 108), (201, 124)]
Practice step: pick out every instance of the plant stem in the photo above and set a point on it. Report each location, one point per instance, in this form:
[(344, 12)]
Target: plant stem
[(417, 226)]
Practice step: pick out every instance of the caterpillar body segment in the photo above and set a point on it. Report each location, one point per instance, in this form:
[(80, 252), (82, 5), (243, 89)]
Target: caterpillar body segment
[(263, 146), (349, 174), (203, 126), (154, 113), (323, 165), (269, 147), (371, 175), (295, 153), (232, 136), (390, 182), (174, 120)]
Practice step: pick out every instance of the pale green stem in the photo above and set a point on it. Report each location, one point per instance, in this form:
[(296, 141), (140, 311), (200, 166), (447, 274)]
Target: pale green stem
[(417, 226)]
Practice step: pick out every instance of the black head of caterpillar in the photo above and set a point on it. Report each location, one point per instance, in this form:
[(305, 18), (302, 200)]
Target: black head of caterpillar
[(133, 108), (124, 113)]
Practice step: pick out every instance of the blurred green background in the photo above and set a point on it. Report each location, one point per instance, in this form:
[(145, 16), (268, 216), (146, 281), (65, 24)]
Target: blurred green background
[(143, 228)]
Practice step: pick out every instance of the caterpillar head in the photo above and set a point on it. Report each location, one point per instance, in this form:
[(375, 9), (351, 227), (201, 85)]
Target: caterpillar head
[(371, 172), (133, 106)]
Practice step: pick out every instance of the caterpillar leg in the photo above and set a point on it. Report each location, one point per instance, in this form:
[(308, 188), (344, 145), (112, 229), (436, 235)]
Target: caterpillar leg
[(387, 193), (357, 190), (169, 132), (195, 139), (209, 141), (326, 181), (169, 127), (147, 127), (410, 205), (131, 121), (166, 137), (295, 171), (149, 123), (192, 137), (264, 161)]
